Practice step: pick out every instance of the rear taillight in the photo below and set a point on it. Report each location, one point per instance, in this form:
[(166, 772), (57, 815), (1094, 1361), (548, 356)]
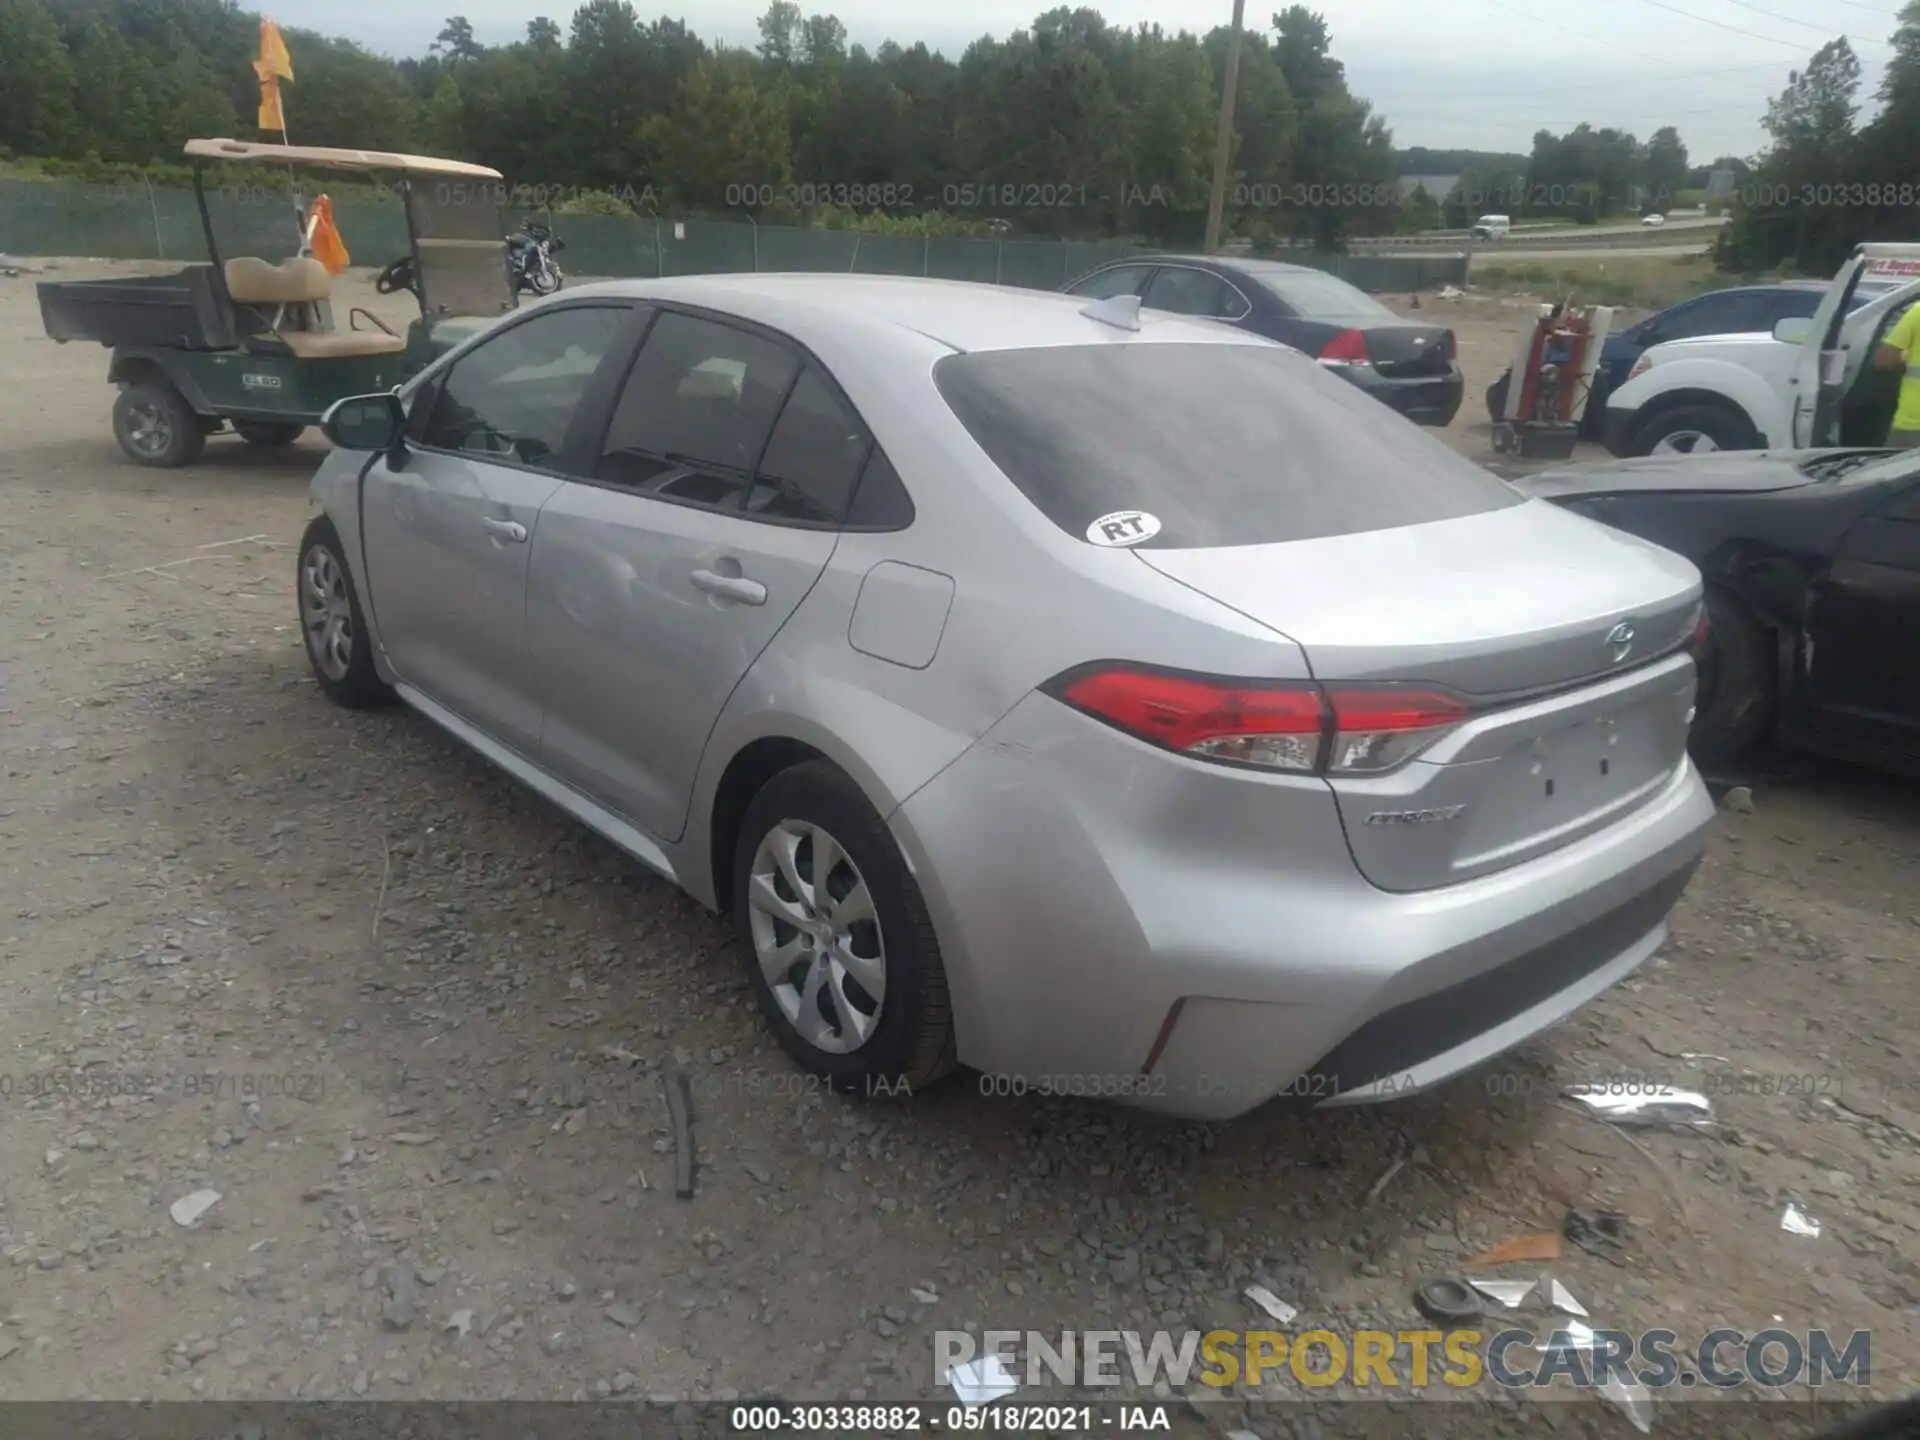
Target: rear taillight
[(1375, 730), (1295, 726), (1702, 631), (1453, 346), (1349, 347)]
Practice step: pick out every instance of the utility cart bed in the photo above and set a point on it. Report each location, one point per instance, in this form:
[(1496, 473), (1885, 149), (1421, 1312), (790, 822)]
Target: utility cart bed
[(183, 310)]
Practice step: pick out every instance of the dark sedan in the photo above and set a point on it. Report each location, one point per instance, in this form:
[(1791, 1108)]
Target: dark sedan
[(1812, 566), (1407, 365)]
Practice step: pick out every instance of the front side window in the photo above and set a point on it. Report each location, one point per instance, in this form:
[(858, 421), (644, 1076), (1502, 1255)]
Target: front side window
[(514, 397)]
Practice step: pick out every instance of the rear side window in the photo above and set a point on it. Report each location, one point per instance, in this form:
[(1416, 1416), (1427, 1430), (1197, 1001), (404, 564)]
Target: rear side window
[(1313, 295), (697, 409), (813, 459), (1222, 444)]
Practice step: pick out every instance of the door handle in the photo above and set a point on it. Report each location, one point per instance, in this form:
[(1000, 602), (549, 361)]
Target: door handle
[(511, 530), (731, 587)]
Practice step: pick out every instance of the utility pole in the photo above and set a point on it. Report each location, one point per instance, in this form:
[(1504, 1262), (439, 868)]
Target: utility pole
[(1223, 150)]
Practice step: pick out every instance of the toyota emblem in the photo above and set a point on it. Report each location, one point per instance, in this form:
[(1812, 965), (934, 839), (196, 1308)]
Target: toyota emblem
[(1620, 642)]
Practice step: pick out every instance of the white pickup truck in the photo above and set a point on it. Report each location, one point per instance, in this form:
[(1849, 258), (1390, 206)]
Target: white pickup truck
[(1807, 383)]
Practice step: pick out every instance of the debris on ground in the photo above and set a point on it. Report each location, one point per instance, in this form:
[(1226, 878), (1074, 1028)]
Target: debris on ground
[(1271, 1303), (1739, 800), (680, 1111), (1562, 1299), (982, 1381), (1649, 1105), (1451, 292), (1520, 1248), (189, 1208), (1601, 1233), (1633, 1398), (1394, 1169), (1509, 1293), (1796, 1221), (1448, 1302)]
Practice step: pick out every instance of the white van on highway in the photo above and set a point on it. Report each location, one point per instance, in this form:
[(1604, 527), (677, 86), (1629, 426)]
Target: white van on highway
[(1804, 384), (1492, 227)]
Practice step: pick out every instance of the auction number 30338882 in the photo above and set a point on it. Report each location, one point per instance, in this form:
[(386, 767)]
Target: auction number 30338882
[(934, 1419)]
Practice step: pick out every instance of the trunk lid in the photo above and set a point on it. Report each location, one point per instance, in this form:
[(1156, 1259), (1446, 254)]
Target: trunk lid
[(1408, 350), (1562, 635)]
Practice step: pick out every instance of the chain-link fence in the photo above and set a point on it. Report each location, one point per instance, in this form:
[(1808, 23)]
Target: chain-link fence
[(137, 221)]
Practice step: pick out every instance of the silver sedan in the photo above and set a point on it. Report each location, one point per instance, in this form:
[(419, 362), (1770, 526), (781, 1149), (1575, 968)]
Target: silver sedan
[(1113, 703)]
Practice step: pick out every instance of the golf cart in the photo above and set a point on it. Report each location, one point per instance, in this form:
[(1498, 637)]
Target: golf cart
[(253, 344)]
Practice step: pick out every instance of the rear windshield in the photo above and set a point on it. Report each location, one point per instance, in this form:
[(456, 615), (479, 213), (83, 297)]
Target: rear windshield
[(1322, 297), (1220, 444)]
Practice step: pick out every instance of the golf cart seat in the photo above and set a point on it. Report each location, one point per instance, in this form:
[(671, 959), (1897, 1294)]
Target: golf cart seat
[(302, 281)]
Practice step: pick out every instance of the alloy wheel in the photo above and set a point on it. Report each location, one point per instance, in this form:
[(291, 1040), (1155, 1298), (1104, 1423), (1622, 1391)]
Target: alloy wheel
[(326, 612), (817, 936), (1685, 442), (151, 432)]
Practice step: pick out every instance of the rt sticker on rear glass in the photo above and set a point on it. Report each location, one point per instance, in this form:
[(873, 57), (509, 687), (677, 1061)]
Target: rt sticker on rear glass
[(1124, 527)]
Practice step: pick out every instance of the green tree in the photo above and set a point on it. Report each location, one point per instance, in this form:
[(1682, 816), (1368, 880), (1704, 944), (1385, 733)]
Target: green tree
[(36, 81), (724, 128), (1666, 171), (1814, 144)]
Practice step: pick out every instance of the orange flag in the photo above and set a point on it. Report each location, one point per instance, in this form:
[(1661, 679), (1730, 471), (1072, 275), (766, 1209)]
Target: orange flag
[(272, 115), (274, 59), (327, 246), (273, 66)]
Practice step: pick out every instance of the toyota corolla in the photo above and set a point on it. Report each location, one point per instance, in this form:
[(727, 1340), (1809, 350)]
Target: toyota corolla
[(1107, 700)]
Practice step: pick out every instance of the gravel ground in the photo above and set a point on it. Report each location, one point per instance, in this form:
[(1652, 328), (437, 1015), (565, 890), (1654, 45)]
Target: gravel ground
[(411, 1024)]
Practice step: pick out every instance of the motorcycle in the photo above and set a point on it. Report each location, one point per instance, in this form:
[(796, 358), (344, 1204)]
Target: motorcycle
[(530, 262)]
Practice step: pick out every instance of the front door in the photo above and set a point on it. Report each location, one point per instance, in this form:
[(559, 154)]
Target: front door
[(448, 533), (1864, 651), (714, 503)]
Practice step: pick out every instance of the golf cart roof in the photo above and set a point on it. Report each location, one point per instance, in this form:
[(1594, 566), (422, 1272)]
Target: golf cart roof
[(331, 159)]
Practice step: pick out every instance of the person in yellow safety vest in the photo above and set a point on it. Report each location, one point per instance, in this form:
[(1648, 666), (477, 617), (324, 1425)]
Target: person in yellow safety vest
[(1900, 352)]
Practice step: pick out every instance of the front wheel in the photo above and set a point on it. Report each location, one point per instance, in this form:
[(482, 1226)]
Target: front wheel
[(1694, 430), (156, 426), (266, 434), (838, 945), (338, 646), (545, 279), (1734, 711)]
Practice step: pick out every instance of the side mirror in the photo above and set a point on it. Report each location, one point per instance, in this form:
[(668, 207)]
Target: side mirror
[(1794, 330), (365, 422)]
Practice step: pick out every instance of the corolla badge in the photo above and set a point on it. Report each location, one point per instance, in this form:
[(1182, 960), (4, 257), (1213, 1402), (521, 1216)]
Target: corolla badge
[(1620, 642), (1416, 817)]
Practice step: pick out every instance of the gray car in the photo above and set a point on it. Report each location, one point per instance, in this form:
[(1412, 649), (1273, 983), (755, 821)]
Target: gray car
[(1114, 703)]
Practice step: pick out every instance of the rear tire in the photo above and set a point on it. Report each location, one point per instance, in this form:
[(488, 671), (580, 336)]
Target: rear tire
[(156, 426), (1694, 430), (267, 434), (334, 631), (1735, 708), (825, 1011)]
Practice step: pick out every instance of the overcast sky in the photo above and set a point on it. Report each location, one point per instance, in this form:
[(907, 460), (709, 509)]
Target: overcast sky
[(1483, 74)]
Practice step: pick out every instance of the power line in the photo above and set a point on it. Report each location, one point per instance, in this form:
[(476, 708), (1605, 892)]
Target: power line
[(1721, 24), (1810, 24)]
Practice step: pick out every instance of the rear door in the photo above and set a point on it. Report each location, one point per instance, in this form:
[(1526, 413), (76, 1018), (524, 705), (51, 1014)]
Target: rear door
[(448, 532), (711, 505), (1188, 290)]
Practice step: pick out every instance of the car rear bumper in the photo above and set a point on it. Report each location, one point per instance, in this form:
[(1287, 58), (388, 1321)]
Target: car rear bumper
[(1424, 399), (1193, 939)]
